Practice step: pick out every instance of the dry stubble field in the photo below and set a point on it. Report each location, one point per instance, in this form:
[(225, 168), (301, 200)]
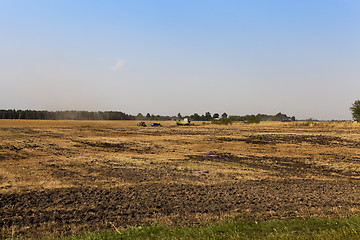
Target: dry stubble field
[(71, 176)]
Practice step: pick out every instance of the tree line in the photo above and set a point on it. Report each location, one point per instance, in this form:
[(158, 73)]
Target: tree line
[(263, 117), (64, 115), (250, 118), (117, 115)]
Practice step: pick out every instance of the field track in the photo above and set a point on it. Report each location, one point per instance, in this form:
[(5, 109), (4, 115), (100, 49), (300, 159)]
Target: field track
[(70, 176)]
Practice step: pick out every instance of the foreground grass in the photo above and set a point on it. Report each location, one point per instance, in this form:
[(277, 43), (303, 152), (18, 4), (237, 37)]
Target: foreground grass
[(344, 228)]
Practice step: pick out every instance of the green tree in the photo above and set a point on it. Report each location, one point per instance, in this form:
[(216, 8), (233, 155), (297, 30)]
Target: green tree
[(139, 117), (355, 110), (216, 115), (208, 116), (195, 117), (224, 115)]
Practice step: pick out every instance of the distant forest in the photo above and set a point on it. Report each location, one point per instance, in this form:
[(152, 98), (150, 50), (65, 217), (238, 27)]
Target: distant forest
[(64, 115), (116, 115)]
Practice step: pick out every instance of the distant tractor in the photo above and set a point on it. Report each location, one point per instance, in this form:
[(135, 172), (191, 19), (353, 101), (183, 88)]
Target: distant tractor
[(155, 124), (141, 124), (184, 122)]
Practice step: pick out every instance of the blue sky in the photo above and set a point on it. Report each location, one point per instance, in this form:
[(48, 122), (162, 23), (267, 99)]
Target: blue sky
[(163, 57)]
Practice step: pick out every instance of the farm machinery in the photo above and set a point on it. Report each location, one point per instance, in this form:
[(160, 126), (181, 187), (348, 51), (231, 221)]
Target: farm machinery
[(184, 122), (141, 124)]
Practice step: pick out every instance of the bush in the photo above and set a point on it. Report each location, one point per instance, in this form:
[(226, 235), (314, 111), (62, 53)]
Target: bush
[(222, 121), (355, 110), (253, 120)]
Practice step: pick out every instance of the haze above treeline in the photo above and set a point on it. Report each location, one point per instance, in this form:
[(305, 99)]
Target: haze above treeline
[(118, 115)]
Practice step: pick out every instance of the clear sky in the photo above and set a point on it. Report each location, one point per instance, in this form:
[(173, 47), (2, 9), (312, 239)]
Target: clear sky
[(299, 57)]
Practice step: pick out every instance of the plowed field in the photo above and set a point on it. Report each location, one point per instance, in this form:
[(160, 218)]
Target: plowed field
[(59, 177)]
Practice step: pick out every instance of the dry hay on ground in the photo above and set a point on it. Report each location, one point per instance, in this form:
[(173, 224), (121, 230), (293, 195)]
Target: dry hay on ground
[(67, 176)]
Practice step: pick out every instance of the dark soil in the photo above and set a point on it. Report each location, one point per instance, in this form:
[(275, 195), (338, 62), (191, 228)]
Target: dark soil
[(281, 166), (293, 139), (73, 209)]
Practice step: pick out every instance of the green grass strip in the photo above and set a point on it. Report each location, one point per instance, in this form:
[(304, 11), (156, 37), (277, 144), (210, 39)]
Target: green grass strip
[(343, 228)]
